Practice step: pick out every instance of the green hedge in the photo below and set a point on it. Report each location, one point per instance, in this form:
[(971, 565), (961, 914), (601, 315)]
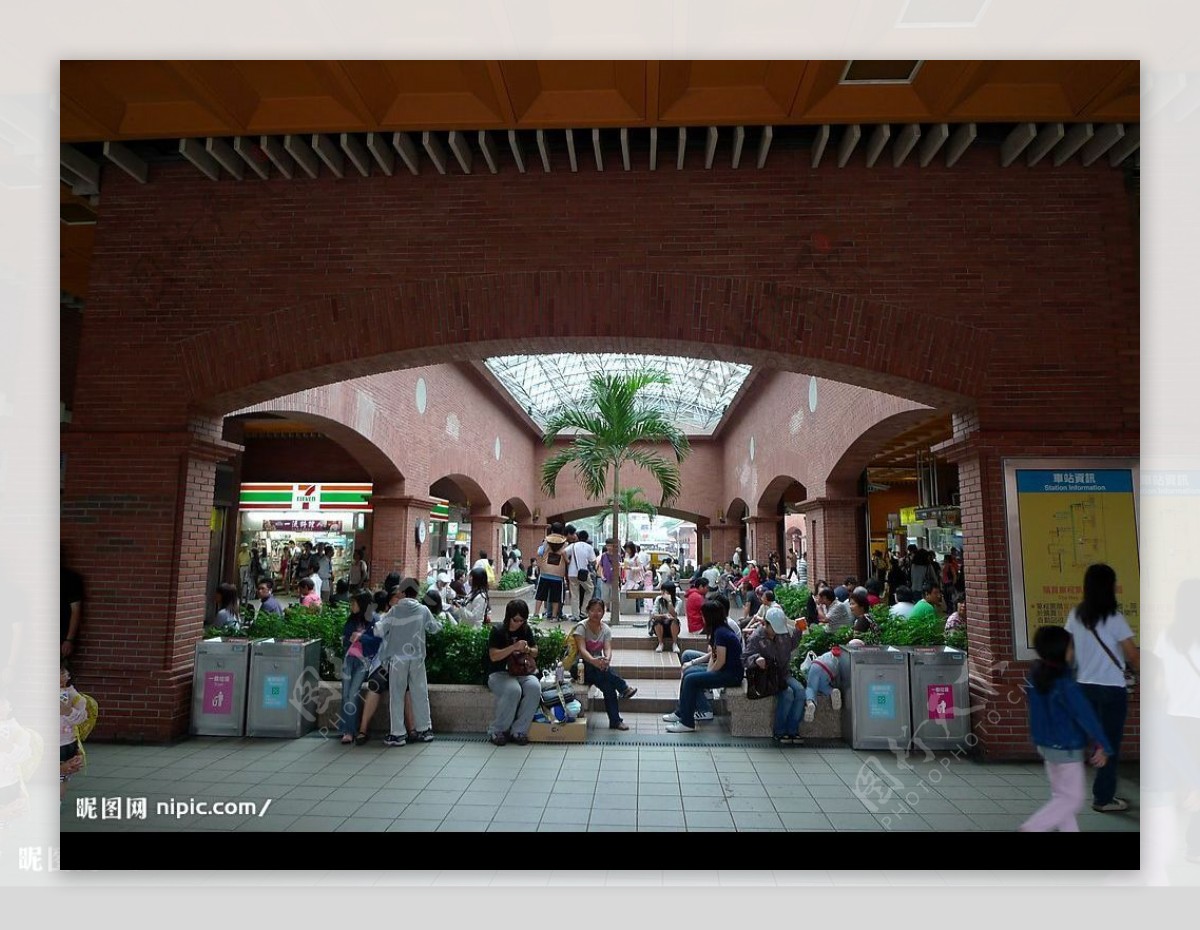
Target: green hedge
[(510, 581), (792, 600), (301, 623)]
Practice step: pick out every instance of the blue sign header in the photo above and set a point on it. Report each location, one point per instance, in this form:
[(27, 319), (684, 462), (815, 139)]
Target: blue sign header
[(1074, 481)]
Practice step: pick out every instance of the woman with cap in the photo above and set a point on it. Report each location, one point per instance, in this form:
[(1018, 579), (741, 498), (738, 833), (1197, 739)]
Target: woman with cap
[(475, 612), (517, 696), (772, 644), (552, 573)]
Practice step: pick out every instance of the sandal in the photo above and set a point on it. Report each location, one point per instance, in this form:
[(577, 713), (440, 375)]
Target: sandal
[(347, 739), (360, 738)]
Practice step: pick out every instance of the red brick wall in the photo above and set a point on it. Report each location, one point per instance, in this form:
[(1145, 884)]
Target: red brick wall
[(316, 459), (70, 328), (941, 285)]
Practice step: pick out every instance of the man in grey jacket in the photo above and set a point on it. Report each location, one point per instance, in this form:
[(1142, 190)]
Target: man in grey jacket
[(402, 652)]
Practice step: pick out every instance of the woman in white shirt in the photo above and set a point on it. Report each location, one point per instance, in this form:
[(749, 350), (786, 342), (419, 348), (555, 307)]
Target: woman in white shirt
[(1104, 646), (475, 611)]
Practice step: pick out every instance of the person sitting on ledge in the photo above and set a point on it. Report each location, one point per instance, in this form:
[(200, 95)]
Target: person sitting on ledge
[(593, 641)]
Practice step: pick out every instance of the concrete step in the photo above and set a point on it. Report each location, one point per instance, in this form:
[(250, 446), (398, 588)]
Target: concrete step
[(655, 696), (631, 633)]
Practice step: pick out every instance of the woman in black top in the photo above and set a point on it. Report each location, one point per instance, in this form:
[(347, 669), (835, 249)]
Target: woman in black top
[(517, 697)]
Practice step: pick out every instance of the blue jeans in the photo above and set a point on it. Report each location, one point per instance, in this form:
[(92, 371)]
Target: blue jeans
[(1110, 704), (789, 708), (611, 684), (818, 683), (698, 682), (354, 672), (703, 704)]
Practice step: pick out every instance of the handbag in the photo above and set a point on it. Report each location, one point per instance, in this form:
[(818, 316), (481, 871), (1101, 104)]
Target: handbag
[(1130, 677), (764, 682), (521, 664)]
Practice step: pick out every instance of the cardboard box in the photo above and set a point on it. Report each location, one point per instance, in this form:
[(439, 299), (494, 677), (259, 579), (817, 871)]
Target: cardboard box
[(574, 732)]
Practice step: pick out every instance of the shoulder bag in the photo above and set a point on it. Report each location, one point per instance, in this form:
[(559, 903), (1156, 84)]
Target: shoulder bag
[(764, 682), (1130, 677)]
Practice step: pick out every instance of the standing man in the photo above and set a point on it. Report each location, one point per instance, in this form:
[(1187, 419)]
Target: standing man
[(607, 567), (324, 568), (802, 568), (360, 572), (245, 583), (71, 615), (581, 565), (460, 560)]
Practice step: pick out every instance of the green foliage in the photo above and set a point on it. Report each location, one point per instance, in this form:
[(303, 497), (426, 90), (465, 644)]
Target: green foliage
[(957, 639), (510, 581), (792, 600), (298, 623), (457, 654), (902, 631)]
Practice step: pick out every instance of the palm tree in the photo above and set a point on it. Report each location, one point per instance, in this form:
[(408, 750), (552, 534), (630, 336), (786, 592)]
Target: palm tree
[(606, 430), (632, 500)]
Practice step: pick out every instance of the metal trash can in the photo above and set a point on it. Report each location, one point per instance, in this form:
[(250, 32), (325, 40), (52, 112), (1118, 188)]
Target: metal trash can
[(219, 686), (876, 694), (285, 676), (941, 698)]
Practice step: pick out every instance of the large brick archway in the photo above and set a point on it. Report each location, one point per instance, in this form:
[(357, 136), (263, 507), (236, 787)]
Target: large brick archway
[(955, 288)]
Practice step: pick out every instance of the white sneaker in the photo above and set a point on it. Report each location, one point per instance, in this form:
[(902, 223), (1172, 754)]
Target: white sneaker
[(670, 718), (835, 698), (704, 715), (675, 648), (680, 728), (810, 712), (658, 648)]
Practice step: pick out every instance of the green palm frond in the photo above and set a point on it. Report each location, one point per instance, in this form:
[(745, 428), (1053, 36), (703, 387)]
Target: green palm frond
[(665, 473)]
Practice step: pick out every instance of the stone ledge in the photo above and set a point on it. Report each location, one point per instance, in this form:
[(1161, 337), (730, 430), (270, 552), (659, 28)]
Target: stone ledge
[(453, 708), (757, 718)]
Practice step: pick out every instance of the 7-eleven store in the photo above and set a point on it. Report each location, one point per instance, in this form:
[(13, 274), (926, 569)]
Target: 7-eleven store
[(272, 515)]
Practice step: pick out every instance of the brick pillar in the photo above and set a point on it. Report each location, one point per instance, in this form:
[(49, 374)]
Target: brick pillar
[(723, 539), (486, 535), (393, 537), (135, 521), (761, 538), (833, 551), (530, 536)]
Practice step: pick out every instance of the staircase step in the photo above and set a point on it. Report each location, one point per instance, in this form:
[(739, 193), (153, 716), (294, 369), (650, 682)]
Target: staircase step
[(655, 696)]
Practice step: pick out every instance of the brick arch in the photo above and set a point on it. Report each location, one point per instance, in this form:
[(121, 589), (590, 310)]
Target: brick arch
[(517, 509), (773, 493), (371, 451), (470, 489), (736, 510), (701, 520), (835, 336), (843, 476)]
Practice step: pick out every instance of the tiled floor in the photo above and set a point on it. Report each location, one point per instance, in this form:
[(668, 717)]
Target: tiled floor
[(455, 785)]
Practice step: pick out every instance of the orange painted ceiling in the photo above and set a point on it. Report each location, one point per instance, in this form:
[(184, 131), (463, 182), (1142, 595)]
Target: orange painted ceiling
[(122, 100)]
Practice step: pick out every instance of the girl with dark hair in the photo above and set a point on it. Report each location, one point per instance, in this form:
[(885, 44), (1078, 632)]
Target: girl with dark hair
[(1065, 730), (724, 666), (517, 696), (359, 645), (475, 612), (228, 616), (664, 617), (1104, 646), (593, 642)]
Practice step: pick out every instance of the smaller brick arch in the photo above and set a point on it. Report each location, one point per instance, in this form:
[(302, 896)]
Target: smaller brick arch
[(385, 476), (843, 477), (736, 511), (462, 489), (701, 520), (517, 509), (782, 488)]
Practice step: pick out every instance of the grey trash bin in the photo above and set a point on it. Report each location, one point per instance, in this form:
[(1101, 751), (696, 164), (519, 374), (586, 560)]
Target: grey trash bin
[(219, 686), (941, 697), (876, 693), (284, 681)]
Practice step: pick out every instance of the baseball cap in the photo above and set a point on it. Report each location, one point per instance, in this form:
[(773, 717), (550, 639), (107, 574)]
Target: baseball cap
[(778, 619), (409, 584), (443, 578)]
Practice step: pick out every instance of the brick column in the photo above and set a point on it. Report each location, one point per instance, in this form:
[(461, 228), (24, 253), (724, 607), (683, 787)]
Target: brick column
[(530, 536), (833, 550), (393, 537), (135, 521), (723, 539), (761, 537), (485, 535)]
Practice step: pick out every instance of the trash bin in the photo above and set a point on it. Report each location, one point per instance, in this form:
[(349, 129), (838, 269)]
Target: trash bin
[(876, 693), (941, 699), (219, 686), (284, 681)]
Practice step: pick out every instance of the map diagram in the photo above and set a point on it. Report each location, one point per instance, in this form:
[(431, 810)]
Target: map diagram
[(1077, 536)]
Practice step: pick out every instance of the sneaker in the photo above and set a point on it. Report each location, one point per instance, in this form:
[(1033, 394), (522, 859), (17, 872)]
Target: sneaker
[(1116, 805), (835, 698), (393, 740), (675, 648), (498, 739), (680, 728), (425, 736), (810, 712), (629, 692), (670, 718), (520, 739), (704, 715), (658, 648)]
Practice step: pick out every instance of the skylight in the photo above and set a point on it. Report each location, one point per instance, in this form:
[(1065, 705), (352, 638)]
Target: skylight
[(699, 392)]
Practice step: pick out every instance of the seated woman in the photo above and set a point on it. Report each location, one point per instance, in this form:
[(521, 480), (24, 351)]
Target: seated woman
[(958, 619), (664, 617), (517, 697), (475, 612), (593, 641), (228, 617), (774, 642), (724, 666), (860, 610)]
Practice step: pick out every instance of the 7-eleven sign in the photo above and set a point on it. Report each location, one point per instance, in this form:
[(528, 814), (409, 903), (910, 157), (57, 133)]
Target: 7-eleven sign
[(306, 497)]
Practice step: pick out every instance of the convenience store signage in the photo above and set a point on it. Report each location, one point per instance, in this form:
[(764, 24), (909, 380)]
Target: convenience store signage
[(304, 496)]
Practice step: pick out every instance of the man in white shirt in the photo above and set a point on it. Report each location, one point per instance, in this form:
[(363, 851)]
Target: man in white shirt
[(316, 579), (905, 603), (580, 561), (802, 569), (713, 574)]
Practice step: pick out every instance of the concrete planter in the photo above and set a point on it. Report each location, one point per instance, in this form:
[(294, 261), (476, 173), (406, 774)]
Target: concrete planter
[(499, 600), (454, 709), (756, 718)]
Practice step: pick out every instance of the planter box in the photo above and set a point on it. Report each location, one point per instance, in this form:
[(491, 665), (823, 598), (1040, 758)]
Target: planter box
[(453, 708), (499, 600), (756, 718)]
